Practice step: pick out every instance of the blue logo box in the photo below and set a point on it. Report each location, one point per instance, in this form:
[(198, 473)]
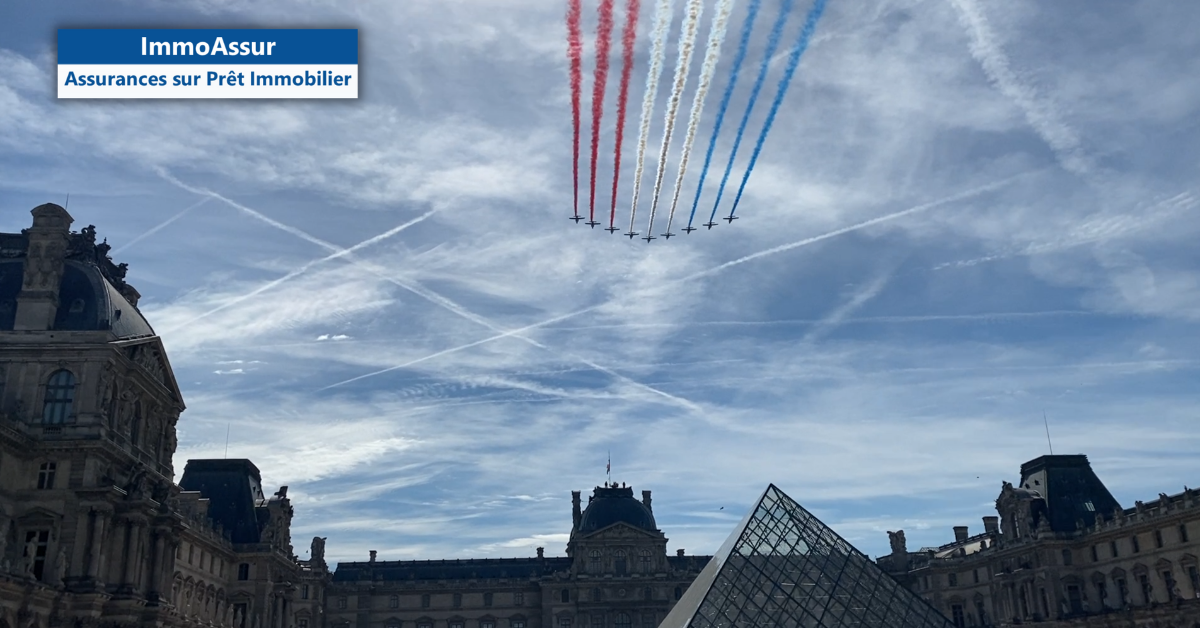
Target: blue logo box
[(161, 46)]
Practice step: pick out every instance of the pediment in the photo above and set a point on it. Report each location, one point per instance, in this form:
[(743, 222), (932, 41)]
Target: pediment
[(622, 530), (151, 359)]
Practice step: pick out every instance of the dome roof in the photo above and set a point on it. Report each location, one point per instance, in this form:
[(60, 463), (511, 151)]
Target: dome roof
[(615, 505), (87, 301)]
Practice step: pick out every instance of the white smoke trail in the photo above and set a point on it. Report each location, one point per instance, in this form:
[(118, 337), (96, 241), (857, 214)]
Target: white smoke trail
[(658, 53), (716, 37), (687, 41)]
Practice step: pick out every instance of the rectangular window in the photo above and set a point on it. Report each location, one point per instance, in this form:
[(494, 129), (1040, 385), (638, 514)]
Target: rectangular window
[(1112, 546), (648, 621), (597, 621), (457, 600), (1066, 557), (487, 623), (1102, 589), (342, 603), (516, 623), (1144, 582), (455, 624), (301, 623), (975, 573), (564, 622), (394, 601), (304, 592), (956, 613), (487, 599), (1137, 547), (1169, 580), (37, 541), (244, 571), (1095, 555), (1075, 599), (239, 614), (1158, 538), (1183, 535), (518, 599), (1122, 592), (46, 475), (953, 579), (425, 601)]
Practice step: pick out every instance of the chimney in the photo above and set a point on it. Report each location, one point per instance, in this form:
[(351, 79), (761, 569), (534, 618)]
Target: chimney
[(541, 552), (679, 552), (45, 259), (576, 514), (372, 556), (991, 525), (960, 534), (646, 500)]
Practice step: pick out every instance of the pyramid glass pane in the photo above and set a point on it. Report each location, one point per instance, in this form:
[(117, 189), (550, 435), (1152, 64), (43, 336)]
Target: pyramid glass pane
[(782, 567)]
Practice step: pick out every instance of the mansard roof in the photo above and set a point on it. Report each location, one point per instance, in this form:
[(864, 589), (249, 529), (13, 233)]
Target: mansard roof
[(454, 569), (1071, 490), (234, 491)]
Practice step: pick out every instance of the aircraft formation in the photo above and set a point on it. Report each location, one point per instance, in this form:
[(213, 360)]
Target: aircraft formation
[(664, 17)]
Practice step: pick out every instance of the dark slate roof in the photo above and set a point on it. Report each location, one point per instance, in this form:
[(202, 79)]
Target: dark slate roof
[(234, 491), (87, 301), (688, 563), (459, 569), (615, 505), (1072, 492)]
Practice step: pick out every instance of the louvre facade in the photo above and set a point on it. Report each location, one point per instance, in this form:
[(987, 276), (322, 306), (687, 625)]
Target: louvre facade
[(782, 567), (1064, 553)]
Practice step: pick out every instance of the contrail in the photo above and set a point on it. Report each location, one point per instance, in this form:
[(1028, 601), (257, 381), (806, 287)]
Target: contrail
[(810, 25), (658, 51), (712, 271), (303, 269), (159, 227), (575, 55), (422, 292), (599, 84), (785, 8), (687, 41), (743, 45), (1040, 114), (716, 37), (628, 39)]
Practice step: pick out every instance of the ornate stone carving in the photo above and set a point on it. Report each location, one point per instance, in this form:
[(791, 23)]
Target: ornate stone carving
[(318, 548), (148, 358), (898, 542)]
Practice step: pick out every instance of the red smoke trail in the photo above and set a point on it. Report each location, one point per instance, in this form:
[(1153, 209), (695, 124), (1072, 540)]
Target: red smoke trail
[(603, 43), (628, 38), (575, 54)]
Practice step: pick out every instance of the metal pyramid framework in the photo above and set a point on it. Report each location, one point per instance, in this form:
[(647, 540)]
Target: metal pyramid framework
[(783, 567)]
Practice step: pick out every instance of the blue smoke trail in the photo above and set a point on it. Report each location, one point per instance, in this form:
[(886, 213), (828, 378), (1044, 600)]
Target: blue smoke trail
[(785, 8), (810, 25), (751, 15)]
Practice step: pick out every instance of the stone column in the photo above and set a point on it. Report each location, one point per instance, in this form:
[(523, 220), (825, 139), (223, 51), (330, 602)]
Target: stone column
[(96, 551), (154, 573)]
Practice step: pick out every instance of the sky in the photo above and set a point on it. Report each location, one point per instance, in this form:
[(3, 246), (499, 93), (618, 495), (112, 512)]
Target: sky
[(972, 220)]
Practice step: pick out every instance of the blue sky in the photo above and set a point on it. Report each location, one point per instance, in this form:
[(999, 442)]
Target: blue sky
[(969, 212)]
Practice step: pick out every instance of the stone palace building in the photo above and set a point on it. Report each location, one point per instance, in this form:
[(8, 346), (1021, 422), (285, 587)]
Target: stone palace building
[(1063, 553), (94, 531)]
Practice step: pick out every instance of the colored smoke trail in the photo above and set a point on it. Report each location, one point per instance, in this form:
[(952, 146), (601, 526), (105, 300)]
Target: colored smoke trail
[(716, 37), (810, 25), (738, 59), (785, 8), (603, 43), (658, 51), (628, 38), (687, 41), (575, 54)]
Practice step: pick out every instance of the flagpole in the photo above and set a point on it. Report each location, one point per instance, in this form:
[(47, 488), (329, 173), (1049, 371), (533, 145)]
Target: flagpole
[(608, 468)]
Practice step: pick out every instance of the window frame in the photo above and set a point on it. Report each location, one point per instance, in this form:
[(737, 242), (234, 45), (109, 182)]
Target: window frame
[(58, 399), (46, 475)]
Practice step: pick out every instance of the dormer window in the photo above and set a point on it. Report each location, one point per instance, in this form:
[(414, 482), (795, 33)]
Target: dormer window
[(60, 397)]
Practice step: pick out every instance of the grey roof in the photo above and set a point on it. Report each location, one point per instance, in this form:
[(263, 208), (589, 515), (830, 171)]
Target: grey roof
[(1072, 492), (234, 490), (454, 569), (615, 505)]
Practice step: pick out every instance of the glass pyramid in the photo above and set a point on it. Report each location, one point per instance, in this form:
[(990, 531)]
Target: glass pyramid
[(782, 567)]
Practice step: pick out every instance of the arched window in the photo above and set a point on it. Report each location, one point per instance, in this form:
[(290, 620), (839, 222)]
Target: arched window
[(135, 425), (60, 397), (594, 561), (619, 564), (644, 560), (565, 596), (623, 621)]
